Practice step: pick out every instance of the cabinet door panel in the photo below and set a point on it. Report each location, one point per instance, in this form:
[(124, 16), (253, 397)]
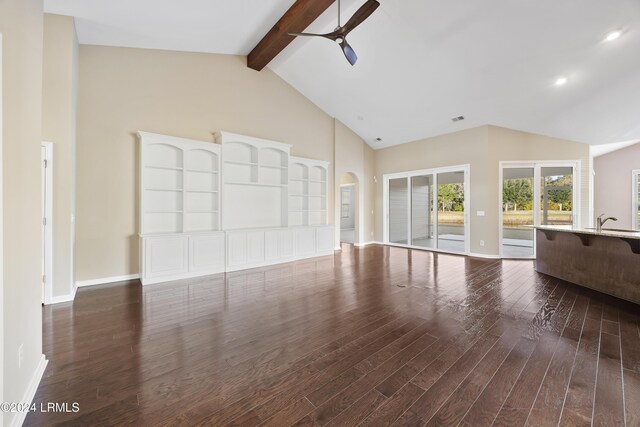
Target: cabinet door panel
[(165, 256), (272, 245), (325, 239), (206, 252), (287, 238), (305, 241), (236, 248), (255, 246)]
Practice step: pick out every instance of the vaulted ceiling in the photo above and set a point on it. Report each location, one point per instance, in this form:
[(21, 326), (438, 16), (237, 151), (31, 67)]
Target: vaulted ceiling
[(421, 62)]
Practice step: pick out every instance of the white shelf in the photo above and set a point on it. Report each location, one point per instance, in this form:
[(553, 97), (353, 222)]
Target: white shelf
[(178, 190), (163, 168), (201, 191), (201, 212), (258, 184), (163, 212), (298, 195), (237, 162), (273, 167), (200, 171)]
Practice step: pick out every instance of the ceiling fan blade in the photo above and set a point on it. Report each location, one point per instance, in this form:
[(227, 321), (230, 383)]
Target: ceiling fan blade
[(348, 51), (361, 14), (306, 35), (331, 36)]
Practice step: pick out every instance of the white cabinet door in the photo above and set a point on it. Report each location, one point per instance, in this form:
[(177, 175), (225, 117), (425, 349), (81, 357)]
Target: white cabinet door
[(272, 245), (305, 241), (165, 256), (324, 239), (206, 252), (255, 247), (287, 239), (236, 248)]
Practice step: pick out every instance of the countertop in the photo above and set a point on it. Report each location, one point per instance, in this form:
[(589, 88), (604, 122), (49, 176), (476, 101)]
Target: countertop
[(607, 232)]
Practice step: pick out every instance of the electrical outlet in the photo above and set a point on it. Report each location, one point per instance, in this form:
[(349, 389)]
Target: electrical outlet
[(481, 242), (20, 356)]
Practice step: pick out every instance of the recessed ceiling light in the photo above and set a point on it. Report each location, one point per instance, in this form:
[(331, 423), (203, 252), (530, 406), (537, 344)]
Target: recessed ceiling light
[(360, 118), (613, 35), (561, 81)]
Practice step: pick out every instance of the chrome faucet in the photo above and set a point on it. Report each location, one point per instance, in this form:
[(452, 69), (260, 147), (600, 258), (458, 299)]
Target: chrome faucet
[(600, 222)]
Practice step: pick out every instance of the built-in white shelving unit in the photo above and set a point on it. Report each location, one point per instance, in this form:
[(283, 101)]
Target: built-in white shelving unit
[(307, 192), (179, 208), (255, 185), (239, 203)]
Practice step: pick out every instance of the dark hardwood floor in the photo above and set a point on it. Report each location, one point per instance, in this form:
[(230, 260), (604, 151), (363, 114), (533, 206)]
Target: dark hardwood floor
[(373, 336)]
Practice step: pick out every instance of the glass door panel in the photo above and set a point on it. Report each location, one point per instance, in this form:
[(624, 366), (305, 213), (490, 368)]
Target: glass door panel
[(398, 211), (451, 221), (556, 195), (422, 217), (517, 212)]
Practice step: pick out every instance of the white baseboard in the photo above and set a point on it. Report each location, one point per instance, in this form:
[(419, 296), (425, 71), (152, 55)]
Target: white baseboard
[(362, 245), (30, 392), (487, 256), (64, 298), (104, 280)]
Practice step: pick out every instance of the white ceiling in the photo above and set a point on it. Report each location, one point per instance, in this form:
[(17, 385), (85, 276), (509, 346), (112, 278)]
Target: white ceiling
[(421, 62)]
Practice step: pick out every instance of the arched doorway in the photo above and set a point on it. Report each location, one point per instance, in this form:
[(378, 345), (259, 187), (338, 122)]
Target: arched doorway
[(349, 209)]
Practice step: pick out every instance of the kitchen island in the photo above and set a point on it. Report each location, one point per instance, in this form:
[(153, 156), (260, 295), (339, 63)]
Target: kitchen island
[(607, 261)]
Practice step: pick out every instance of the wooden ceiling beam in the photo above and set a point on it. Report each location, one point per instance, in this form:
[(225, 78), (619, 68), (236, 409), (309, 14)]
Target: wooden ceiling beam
[(295, 20)]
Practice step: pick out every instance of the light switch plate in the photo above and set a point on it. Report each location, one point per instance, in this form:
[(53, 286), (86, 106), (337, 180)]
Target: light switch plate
[(480, 213)]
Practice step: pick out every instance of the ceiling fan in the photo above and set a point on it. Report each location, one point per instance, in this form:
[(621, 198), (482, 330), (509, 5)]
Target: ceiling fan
[(339, 35)]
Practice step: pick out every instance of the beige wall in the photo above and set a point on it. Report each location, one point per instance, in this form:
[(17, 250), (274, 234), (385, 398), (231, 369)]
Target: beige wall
[(59, 127), (21, 28), (191, 95), (354, 158), (482, 148), (612, 184)]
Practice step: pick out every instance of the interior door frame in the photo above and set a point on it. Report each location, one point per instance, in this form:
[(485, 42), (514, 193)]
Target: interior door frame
[(465, 168), (635, 174), (47, 237), (537, 165)]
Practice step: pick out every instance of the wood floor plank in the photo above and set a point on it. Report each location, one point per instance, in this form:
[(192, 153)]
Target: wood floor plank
[(578, 406), (609, 403)]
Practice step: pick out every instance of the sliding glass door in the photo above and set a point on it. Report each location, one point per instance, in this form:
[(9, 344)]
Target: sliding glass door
[(556, 195), (422, 216), (517, 212), (541, 193), (398, 211), (451, 213), (427, 209)]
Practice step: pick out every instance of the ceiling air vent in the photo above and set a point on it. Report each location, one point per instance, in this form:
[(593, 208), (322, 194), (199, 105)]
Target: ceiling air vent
[(457, 119), (379, 139)]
